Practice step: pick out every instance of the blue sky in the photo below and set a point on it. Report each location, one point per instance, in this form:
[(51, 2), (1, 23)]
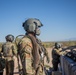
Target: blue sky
[(57, 16)]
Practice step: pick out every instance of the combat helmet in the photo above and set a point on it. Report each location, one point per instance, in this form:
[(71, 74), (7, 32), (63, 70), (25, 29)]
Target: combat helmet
[(31, 25), (9, 38), (57, 45)]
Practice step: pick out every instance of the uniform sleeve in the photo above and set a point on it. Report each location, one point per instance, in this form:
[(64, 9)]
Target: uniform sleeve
[(47, 56), (14, 49), (25, 45), (60, 52)]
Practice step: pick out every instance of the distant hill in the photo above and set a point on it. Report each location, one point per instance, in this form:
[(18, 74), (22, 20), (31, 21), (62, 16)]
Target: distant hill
[(70, 39), (73, 39)]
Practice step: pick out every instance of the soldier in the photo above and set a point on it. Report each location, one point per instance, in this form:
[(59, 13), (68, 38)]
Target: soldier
[(56, 52), (28, 47), (9, 50)]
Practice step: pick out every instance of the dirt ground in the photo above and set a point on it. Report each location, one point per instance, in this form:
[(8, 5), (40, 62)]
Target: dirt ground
[(16, 62), (50, 56)]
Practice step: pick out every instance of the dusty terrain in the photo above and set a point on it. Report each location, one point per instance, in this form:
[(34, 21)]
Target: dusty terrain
[(16, 62)]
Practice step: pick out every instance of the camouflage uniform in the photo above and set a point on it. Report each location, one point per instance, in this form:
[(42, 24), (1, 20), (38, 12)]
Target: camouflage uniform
[(29, 49), (56, 52), (25, 50), (9, 50)]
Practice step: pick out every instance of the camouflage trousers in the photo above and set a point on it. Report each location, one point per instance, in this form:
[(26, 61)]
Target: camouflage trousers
[(9, 67)]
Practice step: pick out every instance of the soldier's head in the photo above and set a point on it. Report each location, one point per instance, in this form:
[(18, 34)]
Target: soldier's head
[(57, 45), (32, 25), (9, 38)]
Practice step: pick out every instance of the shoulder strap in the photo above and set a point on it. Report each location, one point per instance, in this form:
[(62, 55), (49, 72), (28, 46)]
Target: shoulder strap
[(16, 40), (35, 51)]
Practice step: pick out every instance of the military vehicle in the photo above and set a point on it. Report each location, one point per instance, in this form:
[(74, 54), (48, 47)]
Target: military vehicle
[(67, 63)]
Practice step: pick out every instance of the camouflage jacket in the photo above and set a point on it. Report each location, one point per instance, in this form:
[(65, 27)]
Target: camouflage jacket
[(9, 50), (29, 48)]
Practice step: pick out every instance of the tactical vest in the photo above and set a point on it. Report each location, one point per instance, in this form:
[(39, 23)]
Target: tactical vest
[(8, 49)]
